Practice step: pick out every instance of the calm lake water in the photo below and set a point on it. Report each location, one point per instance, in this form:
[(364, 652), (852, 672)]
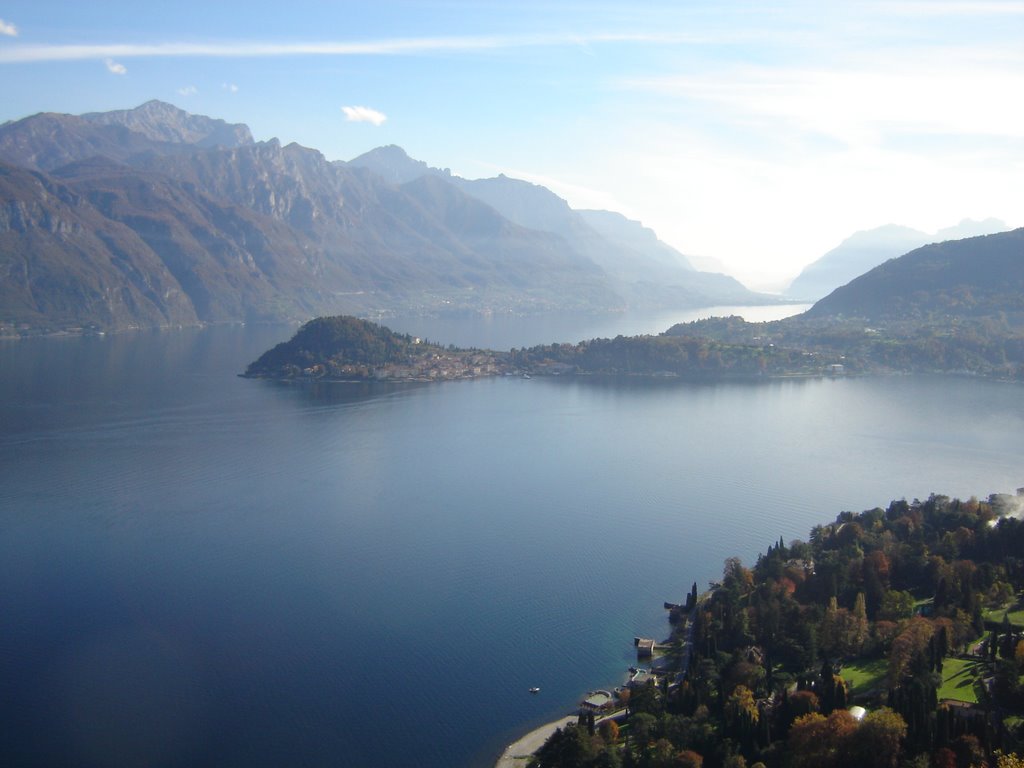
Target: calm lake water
[(197, 569)]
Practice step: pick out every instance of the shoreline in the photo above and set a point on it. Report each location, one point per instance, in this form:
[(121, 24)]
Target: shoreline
[(519, 752)]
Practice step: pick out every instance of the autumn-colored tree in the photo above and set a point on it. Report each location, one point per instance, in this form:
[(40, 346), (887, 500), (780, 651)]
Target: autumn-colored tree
[(944, 757), (861, 628), (877, 562), (741, 714), (609, 731), (688, 759), (840, 726), (796, 705), (1011, 760), (741, 705), (908, 647), (876, 741), (969, 752), (736, 576), (662, 754), (815, 740)]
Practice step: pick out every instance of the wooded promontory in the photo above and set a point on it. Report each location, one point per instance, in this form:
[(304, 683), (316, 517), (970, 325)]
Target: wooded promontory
[(891, 638)]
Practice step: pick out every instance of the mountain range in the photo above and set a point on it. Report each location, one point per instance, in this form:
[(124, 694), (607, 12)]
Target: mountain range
[(955, 280), (154, 217), (865, 250)]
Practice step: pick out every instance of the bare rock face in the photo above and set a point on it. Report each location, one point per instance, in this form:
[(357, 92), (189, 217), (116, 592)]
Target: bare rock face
[(49, 140), (162, 122), (153, 216)]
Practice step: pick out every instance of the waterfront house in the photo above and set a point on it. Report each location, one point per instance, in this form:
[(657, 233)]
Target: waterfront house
[(644, 647), (597, 701)]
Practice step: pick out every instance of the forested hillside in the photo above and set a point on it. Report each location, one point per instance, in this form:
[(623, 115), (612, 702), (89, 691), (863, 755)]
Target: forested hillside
[(892, 637)]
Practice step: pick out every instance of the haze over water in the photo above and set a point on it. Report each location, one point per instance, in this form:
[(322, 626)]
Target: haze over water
[(228, 572)]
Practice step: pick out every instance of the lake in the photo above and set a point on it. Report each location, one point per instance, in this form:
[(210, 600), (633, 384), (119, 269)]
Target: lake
[(198, 569)]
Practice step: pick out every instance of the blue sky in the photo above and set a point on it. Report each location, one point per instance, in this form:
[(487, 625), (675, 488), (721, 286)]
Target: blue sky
[(756, 134)]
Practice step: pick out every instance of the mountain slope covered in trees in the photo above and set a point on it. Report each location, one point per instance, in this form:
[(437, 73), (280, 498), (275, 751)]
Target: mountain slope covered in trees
[(884, 640), (863, 251)]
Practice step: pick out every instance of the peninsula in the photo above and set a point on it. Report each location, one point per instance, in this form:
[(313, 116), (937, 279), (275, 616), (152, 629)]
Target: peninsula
[(346, 348)]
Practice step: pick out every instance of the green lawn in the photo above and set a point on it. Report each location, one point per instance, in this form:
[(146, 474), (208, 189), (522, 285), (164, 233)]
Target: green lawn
[(958, 678), (865, 674), (1016, 612)]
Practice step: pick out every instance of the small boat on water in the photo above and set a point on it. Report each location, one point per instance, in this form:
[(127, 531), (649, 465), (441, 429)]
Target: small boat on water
[(535, 690)]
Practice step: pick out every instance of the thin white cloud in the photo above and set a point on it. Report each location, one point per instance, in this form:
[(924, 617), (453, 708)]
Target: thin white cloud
[(230, 87), (952, 8), (364, 115), (188, 90), (6, 28), (115, 68), (399, 46)]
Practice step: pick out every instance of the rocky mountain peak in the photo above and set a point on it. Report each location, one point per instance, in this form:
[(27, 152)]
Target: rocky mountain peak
[(160, 121), (393, 165)]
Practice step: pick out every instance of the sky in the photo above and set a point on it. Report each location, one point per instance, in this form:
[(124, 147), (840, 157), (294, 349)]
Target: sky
[(749, 135)]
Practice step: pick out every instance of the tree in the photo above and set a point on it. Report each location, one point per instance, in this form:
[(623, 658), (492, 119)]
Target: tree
[(688, 759), (861, 628), (1009, 761), (568, 747), (876, 741), (609, 731), (908, 649), (896, 605), (662, 753), (969, 752), (828, 631), (646, 698), (796, 705), (818, 741), (642, 727), (741, 714)]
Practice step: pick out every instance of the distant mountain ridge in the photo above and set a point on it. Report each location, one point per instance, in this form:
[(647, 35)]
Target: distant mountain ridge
[(976, 276), (647, 270), (867, 249), (162, 122), (178, 219), (950, 307)]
